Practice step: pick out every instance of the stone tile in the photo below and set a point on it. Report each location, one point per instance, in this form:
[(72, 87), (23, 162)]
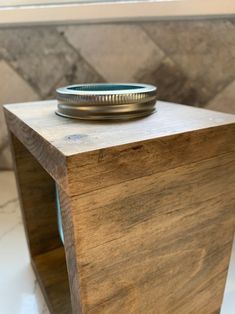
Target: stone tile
[(232, 20), (79, 72), (203, 49), (225, 100), (13, 89), (173, 85), (40, 54), (116, 51)]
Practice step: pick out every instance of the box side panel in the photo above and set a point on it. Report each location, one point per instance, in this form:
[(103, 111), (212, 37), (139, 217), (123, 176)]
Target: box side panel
[(105, 167), (37, 197), (160, 243)]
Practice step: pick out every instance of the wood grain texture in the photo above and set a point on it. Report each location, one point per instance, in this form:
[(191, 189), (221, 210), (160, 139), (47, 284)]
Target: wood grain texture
[(51, 272), (114, 165), (160, 243), (148, 207), (72, 137), (86, 143), (71, 248), (39, 147)]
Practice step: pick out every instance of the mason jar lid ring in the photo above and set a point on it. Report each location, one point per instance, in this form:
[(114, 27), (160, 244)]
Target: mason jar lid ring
[(104, 101)]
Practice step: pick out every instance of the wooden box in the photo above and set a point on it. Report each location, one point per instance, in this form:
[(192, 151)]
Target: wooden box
[(148, 208)]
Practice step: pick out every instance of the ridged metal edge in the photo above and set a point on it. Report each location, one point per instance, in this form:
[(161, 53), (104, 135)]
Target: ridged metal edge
[(107, 104)]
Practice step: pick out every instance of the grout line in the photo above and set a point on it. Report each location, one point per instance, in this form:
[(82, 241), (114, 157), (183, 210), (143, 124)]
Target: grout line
[(21, 75), (78, 53), (168, 55), (220, 92), (151, 39)]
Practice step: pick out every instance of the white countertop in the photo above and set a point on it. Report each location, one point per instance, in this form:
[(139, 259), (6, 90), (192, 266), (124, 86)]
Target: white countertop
[(19, 290)]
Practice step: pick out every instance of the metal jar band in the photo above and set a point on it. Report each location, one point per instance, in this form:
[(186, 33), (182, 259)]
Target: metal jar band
[(106, 101)]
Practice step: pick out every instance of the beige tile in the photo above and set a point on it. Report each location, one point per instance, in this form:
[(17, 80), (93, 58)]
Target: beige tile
[(13, 89), (116, 51), (225, 100)]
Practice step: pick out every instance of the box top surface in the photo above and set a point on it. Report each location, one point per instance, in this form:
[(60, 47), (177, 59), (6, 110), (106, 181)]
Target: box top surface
[(72, 136)]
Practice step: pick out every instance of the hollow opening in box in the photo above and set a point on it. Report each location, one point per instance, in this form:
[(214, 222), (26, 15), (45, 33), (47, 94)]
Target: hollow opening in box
[(38, 199)]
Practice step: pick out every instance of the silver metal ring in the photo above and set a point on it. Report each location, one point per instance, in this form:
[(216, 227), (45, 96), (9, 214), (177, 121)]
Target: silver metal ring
[(106, 101)]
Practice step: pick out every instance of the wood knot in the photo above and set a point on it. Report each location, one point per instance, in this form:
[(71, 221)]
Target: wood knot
[(75, 138)]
